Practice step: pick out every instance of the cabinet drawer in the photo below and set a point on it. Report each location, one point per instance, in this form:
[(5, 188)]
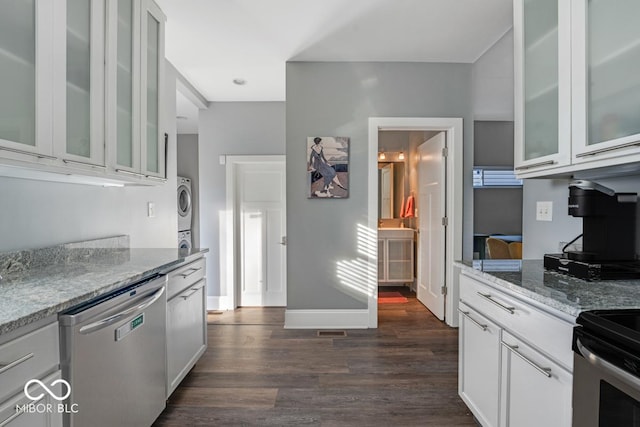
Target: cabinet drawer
[(39, 415), (549, 334), (28, 357), (184, 276)]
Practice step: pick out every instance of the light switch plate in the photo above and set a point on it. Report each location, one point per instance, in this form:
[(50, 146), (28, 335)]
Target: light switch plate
[(544, 211), (151, 209)]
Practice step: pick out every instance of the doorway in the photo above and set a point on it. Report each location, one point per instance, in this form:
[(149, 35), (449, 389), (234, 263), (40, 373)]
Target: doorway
[(452, 196), (256, 231)]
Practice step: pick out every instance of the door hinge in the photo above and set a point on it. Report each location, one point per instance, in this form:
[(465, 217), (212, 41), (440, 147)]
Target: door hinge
[(443, 290), (445, 152), (445, 221)]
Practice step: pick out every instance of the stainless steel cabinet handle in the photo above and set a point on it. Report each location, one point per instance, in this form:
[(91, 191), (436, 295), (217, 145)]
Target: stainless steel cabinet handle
[(502, 306), (604, 150), (102, 323), (608, 367), (4, 368), (28, 153), (18, 413), (193, 291), (76, 162), (514, 349), (192, 271), (156, 178), (475, 322), (535, 165), (126, 172)]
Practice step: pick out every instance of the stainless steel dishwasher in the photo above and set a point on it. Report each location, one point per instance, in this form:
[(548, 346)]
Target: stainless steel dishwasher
[(114, 357)]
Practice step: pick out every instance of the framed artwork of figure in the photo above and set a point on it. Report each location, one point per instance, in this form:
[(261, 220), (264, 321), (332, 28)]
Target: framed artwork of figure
[(328, 167)]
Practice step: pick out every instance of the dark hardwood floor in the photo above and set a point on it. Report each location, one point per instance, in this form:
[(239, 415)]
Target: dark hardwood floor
[(255, 373)]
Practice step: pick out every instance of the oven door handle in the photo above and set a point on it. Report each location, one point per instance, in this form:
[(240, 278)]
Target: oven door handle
[(608, 367)]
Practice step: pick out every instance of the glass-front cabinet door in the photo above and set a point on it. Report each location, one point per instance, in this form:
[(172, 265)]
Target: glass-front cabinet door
[(123, 82), (542, 42), (25, 79), (152, 50), (79, 127), (606, 79)]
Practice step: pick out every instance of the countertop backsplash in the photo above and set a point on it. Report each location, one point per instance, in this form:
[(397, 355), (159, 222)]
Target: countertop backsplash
[(12, 263)]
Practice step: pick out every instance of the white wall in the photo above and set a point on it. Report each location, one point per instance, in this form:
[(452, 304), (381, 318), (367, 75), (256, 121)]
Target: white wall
[(231, 128), (38, 214)]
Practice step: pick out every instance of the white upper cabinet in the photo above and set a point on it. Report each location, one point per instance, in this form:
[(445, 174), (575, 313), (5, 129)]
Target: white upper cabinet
[(123, 82), (82, 85), (135, 72), (152, 51), (79, 83), (25, 69), (577, 97), (606, 81), (542, 65)]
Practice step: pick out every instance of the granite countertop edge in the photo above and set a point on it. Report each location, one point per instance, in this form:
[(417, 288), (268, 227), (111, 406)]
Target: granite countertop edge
[(557, 293), (99, 289), (548, 303)]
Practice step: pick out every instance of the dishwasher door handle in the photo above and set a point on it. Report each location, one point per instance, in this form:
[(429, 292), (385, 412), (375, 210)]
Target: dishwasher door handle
[(103, 323)]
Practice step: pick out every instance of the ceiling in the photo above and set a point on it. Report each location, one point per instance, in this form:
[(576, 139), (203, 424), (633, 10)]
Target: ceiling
[(212, 42)]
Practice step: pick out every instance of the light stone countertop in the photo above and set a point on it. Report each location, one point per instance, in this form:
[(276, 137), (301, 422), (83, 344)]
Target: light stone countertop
[(37, 291), (566, 294)]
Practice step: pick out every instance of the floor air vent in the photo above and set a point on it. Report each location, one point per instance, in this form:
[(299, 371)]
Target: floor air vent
[(332, 334)]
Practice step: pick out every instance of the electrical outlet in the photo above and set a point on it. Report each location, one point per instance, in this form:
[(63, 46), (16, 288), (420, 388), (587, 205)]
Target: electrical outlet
[(151, 209), (544, 211)]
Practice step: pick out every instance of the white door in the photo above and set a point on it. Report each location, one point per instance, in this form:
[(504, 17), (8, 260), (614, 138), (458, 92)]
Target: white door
[(262, 234), (431, 211)]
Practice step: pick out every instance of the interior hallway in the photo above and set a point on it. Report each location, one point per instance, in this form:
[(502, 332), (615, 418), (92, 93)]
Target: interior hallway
[(256, 373)]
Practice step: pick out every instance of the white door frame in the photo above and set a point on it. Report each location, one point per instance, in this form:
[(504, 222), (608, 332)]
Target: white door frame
[(229, 228), (454, 199)]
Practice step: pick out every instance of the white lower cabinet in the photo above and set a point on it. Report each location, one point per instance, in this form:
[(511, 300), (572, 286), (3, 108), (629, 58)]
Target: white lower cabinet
[(186, 321), (479, 374), (514, 359), (535, 390), (31, 357), (45, 411)]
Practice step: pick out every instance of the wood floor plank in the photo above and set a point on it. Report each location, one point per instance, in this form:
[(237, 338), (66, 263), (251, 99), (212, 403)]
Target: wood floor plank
[(256, 373), (214, 397)]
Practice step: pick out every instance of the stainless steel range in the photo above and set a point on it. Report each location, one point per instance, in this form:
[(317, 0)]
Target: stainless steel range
[(606, 371)]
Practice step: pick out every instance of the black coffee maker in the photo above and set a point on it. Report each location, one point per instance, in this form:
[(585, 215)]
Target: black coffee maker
[(608, 234), (608, 222)]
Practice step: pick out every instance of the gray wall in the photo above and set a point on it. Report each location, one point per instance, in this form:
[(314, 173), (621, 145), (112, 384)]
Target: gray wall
[(187, 166), (540, 237), (493, 143), (495, 210), (337, 99), (231, 128), (38, 213), (493, 81)]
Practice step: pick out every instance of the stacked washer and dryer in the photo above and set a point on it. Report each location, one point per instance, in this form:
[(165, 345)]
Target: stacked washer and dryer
[(185, 207)]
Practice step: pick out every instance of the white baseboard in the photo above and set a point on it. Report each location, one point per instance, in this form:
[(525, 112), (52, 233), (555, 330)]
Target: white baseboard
[(218, 303), (326, 319)]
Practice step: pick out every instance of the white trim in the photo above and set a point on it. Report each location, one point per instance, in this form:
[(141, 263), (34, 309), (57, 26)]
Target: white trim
[(326, 319), (185, 87), (455, 175), (228, 224)]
